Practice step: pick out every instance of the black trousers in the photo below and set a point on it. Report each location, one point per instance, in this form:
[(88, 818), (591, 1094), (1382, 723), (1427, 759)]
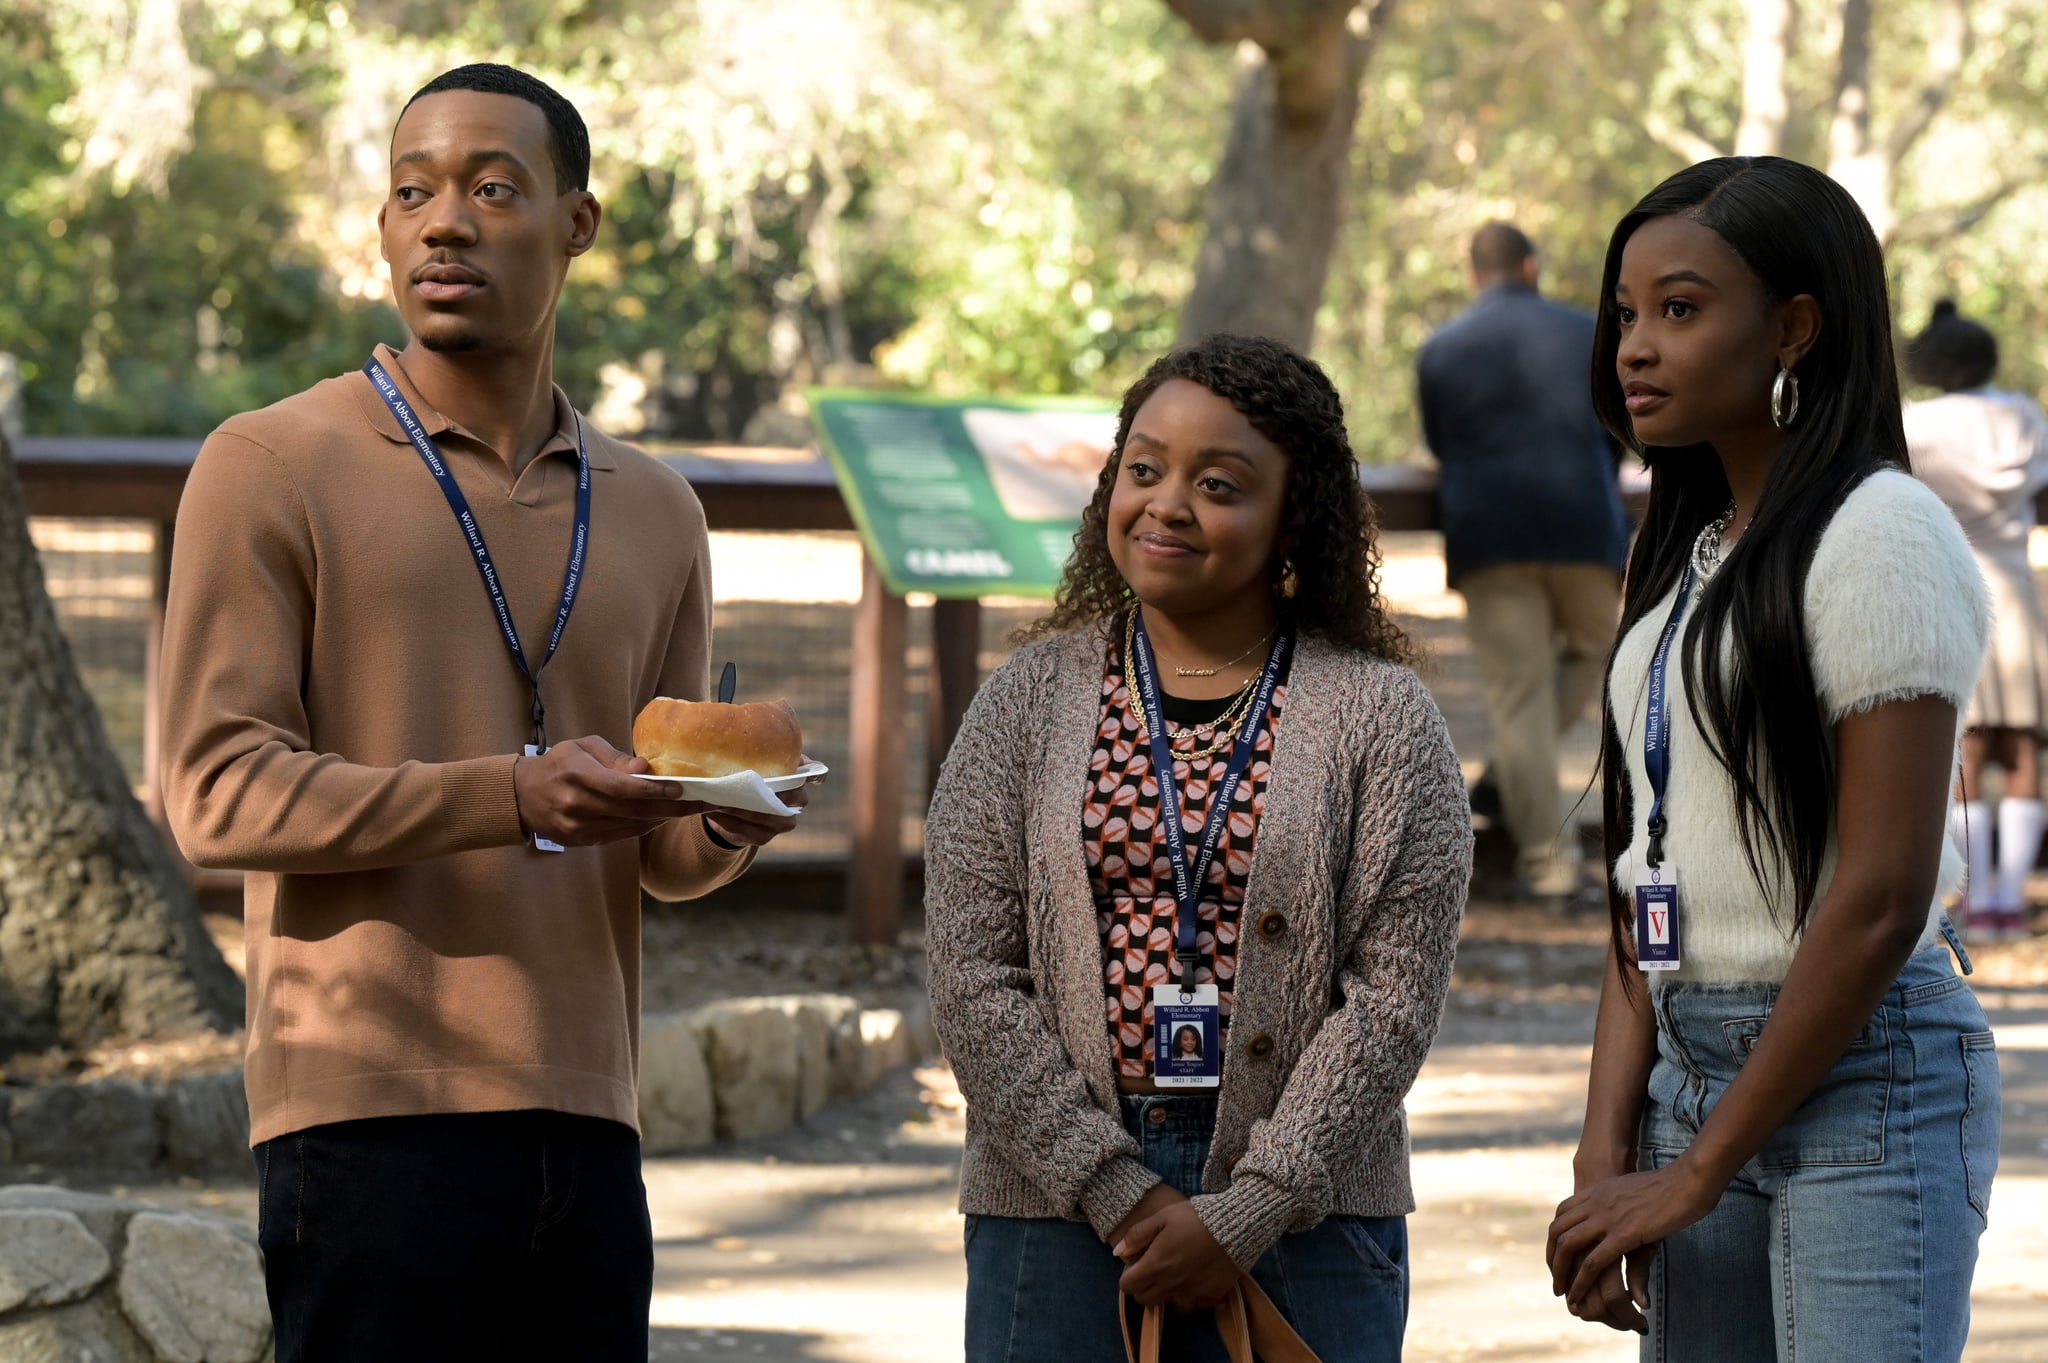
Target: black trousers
[(496, 1235)]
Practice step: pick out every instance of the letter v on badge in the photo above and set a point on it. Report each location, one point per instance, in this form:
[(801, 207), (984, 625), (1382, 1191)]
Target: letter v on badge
[(1657, 920)]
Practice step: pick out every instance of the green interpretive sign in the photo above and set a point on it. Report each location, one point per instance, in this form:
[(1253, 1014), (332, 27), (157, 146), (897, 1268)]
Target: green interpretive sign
[(965, 497)]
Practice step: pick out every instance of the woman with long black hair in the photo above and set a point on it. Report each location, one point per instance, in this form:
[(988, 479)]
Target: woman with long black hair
[(1792, 1119)]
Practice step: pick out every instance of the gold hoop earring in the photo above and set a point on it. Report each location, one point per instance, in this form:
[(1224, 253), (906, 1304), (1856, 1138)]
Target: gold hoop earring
[(1784, 398), (1289, 580)]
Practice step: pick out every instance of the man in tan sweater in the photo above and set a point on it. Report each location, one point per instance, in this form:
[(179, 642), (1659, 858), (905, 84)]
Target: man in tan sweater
[(443, 1014)]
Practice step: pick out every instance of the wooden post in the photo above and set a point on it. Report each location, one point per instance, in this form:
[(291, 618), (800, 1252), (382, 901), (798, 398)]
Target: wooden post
[(956, 672), (874, 873), (152, 685)]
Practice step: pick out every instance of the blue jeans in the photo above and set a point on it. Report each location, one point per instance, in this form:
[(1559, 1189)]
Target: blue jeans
[(1853, 1235), (1044, 1290), (507, 1236)]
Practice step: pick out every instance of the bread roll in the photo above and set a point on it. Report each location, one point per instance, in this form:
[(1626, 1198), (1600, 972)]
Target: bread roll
[(706, 738)]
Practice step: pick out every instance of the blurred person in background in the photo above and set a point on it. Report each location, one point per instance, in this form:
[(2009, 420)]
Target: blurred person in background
[(1534, 534), (1985, 452)]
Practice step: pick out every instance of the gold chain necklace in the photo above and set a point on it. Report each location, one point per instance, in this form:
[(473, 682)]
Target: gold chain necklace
[(1224, 726), (1212, 671)]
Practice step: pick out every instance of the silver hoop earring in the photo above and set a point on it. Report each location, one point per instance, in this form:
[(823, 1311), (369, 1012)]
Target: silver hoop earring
[(1784, 398)]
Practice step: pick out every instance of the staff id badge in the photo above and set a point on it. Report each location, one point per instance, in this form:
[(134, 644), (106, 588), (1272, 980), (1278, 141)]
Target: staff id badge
[(535, 840), (1186, 1053), (1657, 921)]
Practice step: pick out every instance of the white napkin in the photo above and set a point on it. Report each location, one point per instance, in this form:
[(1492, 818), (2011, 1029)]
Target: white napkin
[(742, 790)]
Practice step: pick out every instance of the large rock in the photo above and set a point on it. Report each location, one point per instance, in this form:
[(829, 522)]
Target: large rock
[(849, 1055), (83, 1332), (109, 1124), (206, 1124), (193, 1289), (813, 1050), (751, 1048), (47, 1257), (103, 1216), (677, 1109), (885, 1044)]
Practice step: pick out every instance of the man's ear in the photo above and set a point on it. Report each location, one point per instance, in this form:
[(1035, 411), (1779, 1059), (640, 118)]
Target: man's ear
[(584, 216)]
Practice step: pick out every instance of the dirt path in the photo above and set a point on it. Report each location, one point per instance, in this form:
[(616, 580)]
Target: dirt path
[(845, 1247), (838, 1242)]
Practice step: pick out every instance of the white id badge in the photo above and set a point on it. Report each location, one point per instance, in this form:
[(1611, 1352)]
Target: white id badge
[(1657, 920), (535, 840), (1186, 1052)]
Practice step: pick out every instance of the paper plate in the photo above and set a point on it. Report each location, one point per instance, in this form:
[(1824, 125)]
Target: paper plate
[(744, 790)]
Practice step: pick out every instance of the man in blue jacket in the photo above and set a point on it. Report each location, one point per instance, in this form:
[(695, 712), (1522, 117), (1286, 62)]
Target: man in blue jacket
[(1534, 534)]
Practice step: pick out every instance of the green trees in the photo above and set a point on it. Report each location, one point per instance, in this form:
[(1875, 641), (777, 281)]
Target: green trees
[(1034, 196)]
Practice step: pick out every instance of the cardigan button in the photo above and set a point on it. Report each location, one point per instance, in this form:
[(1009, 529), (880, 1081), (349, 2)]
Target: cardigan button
[(1273, 924), (1261, 1047)]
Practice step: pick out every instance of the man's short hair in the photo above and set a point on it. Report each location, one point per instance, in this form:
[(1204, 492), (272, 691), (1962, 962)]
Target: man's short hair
[(568, 139), (1500, 248)]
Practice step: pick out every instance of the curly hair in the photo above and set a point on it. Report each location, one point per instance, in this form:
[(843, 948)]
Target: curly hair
[(1329, 533)]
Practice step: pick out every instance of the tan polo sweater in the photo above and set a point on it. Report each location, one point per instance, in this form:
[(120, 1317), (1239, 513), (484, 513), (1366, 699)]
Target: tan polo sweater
[(341, 717)]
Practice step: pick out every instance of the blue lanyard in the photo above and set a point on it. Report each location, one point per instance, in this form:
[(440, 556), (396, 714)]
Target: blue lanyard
[(578, 546), (1657, 724), (1188, 880)]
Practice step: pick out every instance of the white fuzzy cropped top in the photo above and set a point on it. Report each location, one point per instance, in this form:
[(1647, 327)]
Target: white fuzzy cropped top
[(1895, 608)]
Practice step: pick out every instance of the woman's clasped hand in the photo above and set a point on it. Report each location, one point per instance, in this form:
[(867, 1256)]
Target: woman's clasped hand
[(1605, 1238), (1169, 1256)]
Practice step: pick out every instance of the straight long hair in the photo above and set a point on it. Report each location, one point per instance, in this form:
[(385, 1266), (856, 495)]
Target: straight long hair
[(1760, 713)]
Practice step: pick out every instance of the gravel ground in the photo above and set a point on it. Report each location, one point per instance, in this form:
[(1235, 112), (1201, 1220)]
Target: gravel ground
[(837, 1242)]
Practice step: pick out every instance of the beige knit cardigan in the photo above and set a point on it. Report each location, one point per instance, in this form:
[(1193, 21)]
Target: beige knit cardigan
[(1351, 917)]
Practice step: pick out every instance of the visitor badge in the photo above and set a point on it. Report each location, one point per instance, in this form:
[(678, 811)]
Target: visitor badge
[(1186, 1051), (1657, 920), (535, 840)]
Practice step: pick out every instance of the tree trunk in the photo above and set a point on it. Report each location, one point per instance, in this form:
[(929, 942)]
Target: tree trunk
[(1766, 50), (100, 938), (1276, 205), (1856, 159)]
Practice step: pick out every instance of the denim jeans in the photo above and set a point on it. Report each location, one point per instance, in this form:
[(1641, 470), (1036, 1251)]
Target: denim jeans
[(1853, 1234), (1045, 1290), (489, 1235)]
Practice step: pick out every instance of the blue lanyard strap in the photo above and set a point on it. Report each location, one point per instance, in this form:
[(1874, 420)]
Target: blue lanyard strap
[(1657, 723), (1188, 879), (579, 545)]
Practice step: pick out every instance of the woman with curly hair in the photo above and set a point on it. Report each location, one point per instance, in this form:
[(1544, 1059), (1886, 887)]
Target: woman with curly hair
[(1210, 793)]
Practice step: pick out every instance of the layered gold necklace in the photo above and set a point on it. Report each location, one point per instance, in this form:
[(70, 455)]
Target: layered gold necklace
[(1222, 730)]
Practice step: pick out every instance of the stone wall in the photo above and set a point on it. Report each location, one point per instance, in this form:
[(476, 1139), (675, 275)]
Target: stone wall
[(728, 1070), (86, 1279), (740, 1068)]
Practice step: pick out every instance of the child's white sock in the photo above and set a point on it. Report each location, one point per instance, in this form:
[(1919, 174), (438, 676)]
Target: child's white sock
[(2019, 843)]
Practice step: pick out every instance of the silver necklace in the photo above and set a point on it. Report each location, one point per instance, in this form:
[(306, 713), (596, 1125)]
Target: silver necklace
[(1706, 550)]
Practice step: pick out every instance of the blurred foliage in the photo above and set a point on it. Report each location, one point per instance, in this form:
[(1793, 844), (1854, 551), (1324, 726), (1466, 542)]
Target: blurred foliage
[(944, 194)]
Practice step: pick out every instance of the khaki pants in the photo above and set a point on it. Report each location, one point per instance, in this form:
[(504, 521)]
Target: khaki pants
[(1540, 633)]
